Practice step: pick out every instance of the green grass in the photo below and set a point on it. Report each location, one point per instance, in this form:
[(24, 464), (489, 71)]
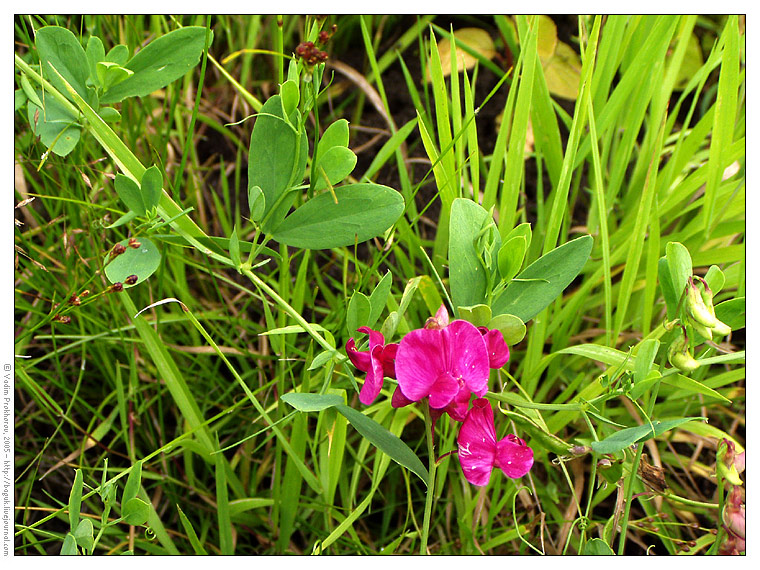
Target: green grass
[(637, 159)]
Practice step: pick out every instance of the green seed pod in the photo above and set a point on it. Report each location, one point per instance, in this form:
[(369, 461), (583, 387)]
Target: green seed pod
[(701, 330), (680, 357), (696, 308)]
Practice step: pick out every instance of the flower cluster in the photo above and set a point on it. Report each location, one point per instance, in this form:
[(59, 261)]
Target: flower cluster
[(447, 363)]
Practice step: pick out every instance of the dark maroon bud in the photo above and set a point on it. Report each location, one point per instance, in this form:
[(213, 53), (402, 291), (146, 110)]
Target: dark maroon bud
[(323, 37), (63, 319), (133, 243), (131, 280), (118, 249), (322, 55), (116, 287), (75, 300)]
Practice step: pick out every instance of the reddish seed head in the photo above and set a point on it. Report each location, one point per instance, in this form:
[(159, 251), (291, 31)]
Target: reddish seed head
[(63, 319), (133, 243), (323, 37), (118, 249), (75, 300), (131, 280), (116, 287)]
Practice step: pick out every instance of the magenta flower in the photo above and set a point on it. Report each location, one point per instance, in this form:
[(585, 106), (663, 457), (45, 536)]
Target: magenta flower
[(439, 363), (479, 451), (377, 362), (498, 351)]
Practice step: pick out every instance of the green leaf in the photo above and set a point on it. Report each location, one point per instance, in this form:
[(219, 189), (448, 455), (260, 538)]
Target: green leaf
[(468, 278), (161, 62), (692, 386), (337, 163), (289, 96), (256, 203), (321, 358), (641, 387), (359, 310), (511, 328), (132, 485), (276, 160), (378, 298), (511, 256), (367, 427), (627, 437), (732, 312), (83, 534), (597, 547), (95, 53), (679, 262), (363, 211), (191, 535), (311, 402), (59, 48), (110, 74), (141, 261), (135, 511), (715, 279), (645, 358), (54, 124), (336, 135), (478, 315), (235, 247), (666, 286), (129, 193), (150, 187), (118, 54), (69, 546), (544, 280), (75, 499), (385, 441)]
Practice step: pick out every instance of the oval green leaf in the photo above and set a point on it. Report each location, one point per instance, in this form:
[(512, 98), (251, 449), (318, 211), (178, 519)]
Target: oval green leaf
[(363, 211), (142, 261), (543, 280), (337, 163)]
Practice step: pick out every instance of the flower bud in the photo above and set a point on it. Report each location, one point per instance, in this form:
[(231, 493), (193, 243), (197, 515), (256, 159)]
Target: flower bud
[(118, 249), (116, 287), (733, 515), (726, 464), (131, 280)]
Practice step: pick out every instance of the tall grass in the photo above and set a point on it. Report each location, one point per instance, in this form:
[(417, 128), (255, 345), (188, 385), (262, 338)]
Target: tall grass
[(643, 155)]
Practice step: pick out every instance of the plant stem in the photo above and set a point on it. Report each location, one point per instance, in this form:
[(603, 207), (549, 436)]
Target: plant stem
[(634, 470), (431, 480)]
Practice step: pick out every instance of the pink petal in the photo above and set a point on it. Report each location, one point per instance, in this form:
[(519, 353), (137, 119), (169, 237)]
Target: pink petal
[(457, 408), (374, 381), (389, 359), (443, 391), (398, 400), (477, 443), (375, 337), (513, 456), (467, 355), (419, 362), (498, 351), (360, 359)]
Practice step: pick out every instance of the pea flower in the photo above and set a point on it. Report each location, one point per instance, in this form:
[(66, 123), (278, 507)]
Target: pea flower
[(377, 362), (498, 351), (479, 452), (439, 363)]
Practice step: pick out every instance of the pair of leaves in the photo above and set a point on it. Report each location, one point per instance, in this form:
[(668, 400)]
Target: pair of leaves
[(627, 437), (365, 311), (276, 166), (367, 427), (141, 199), (103, 78), (473, 265)]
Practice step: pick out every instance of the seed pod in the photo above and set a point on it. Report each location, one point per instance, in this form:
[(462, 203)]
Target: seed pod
[(696, 308), (131, 280), (118, 249), (116, 287), (680, 357), (133, 243)]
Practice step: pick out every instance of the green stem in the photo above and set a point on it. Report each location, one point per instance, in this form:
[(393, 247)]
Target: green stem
[(431, 480), (633, 473)]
